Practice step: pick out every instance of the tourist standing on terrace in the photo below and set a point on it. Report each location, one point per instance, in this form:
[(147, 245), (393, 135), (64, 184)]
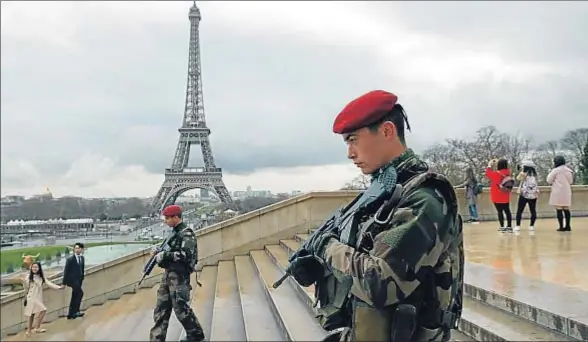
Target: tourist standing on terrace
[(501, 185), (73, 276), (472, 190), (528, 193), (34, 306), (561, 179)]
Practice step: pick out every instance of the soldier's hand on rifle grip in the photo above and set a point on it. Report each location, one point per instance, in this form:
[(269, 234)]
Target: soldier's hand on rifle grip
[(153, 251), (159, 257), (306, 270)]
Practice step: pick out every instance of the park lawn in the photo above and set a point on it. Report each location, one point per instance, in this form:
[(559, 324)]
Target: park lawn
[(14, 256)]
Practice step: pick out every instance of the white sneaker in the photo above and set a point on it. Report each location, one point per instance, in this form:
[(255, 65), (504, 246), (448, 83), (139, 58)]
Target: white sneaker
[(517, 228), (531, 228)]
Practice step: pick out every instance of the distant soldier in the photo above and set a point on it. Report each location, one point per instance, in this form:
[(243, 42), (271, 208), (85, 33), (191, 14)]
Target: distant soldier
[(174, 290), (394, 271)]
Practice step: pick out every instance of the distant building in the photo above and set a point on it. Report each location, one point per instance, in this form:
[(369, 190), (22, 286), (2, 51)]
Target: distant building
[(11, 200), (52, 227), (46, 195), (251, 193)]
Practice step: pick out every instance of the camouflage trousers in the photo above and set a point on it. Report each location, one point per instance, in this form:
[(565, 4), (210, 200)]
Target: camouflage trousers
[(174, 293)]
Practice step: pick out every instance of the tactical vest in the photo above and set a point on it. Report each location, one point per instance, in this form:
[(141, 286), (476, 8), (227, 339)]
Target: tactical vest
[(176, 245), (437, 308)]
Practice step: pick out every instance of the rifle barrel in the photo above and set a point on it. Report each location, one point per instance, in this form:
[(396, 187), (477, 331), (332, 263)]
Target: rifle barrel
[(141, 280), (280, 281)]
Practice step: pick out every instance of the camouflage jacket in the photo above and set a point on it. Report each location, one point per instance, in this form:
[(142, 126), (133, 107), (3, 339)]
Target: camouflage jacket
[(419, 231), (183, 254)]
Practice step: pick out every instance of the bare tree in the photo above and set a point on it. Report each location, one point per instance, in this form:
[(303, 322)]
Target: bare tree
[(486, 144), (445, 159), (574, 142), (515, 148), (361, 182)]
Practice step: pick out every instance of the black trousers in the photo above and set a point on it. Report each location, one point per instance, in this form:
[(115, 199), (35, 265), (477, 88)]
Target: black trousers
[(521, 207), (503, 210), (76, 299)]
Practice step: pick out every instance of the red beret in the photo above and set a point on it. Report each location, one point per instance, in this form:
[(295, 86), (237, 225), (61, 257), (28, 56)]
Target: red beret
[(364, 111), (172, 210)]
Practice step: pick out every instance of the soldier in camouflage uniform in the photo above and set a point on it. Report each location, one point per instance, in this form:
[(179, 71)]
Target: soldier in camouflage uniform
[(174, 291), (416, 259)]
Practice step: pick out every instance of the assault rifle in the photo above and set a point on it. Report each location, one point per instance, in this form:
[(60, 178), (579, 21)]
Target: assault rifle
[(150, 265), (372, 197)]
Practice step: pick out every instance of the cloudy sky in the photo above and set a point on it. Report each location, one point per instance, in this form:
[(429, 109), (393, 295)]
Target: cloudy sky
[(93, 92)]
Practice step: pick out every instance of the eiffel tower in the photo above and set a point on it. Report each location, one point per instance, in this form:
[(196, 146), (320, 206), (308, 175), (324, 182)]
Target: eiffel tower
[(181, 177)]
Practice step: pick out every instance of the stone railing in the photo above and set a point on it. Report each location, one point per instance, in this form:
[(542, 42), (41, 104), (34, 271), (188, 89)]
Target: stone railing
[(226, 239), (487, 211)]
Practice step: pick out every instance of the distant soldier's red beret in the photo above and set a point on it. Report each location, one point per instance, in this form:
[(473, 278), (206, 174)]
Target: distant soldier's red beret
[(172, 210), (364, 111)]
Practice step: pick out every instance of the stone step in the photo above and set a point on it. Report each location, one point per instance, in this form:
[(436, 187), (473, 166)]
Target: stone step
[(227, 315), (560, 308), (136, 319), (91, 324), (479, 321), (128, 318), (486, 323), (258, 318), (293, 315)]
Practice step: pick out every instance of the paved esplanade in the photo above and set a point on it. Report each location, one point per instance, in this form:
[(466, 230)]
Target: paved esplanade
[(543, 269)]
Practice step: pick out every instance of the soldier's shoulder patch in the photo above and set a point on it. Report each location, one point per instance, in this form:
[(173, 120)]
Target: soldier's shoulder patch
[(187, 231)]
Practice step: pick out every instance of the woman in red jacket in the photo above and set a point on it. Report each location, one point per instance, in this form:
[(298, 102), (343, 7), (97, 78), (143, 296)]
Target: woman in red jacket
[(501, 185)]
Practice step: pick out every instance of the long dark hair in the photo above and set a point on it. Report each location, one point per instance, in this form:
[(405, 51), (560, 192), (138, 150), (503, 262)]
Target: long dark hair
[(40, 273), (502, 164), (530, 171), (470, 175)]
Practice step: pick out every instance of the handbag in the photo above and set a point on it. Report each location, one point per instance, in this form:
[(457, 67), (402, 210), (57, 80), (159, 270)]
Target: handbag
[(24, 303)]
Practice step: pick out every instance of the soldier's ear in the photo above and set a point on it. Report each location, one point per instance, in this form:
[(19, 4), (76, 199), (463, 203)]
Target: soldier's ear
[(389, 129)]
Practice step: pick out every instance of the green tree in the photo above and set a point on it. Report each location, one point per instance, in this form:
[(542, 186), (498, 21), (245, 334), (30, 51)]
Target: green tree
[(48, 257), (9, 268)]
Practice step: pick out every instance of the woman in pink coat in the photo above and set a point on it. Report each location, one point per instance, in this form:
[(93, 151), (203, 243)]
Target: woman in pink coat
[(561, 179)]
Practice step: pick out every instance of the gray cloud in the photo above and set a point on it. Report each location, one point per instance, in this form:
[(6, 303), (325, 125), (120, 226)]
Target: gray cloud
[(117, 88)]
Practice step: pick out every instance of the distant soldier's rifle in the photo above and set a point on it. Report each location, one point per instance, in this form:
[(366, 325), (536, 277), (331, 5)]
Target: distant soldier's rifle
[(150, 265)]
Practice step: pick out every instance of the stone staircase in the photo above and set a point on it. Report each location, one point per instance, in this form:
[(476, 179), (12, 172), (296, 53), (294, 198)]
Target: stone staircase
[(241, 289), (237, 303)]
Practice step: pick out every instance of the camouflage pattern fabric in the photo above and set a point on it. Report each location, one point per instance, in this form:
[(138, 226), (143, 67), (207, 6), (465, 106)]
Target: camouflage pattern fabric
[(422, 227), (174, 293), (183, 251)]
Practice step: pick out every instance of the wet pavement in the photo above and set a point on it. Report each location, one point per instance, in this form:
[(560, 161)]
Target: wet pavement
[(555, 257)]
